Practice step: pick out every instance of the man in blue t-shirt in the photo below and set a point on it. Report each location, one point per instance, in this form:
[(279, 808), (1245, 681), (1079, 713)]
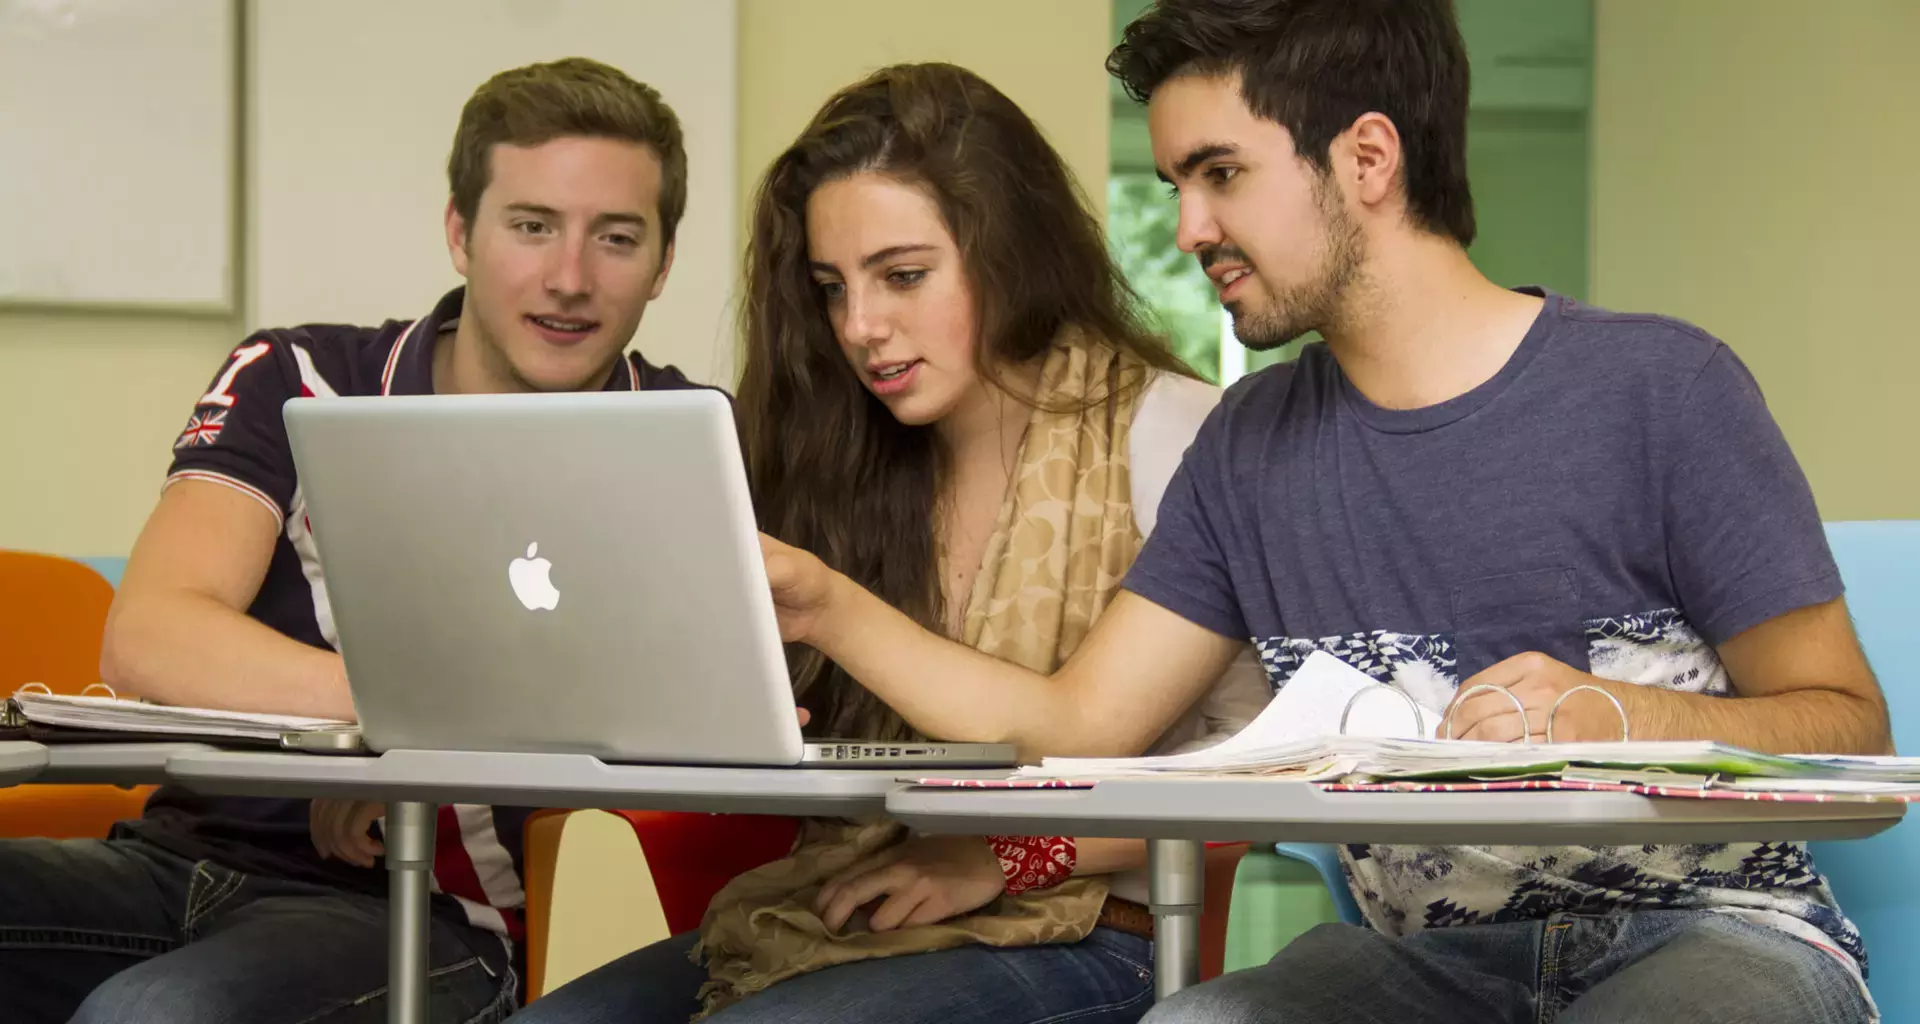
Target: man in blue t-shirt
[(1462, 485)]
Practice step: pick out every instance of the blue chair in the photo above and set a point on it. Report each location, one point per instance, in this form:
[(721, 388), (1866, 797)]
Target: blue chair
[(1874, 878), (110, 568), (1326, 860)]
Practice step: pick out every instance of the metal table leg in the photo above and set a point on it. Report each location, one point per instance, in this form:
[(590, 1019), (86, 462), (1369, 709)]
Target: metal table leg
[(1175, 874), (409, 843)]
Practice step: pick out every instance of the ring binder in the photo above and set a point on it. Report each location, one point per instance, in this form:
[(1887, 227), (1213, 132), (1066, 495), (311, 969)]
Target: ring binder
[(1625, 732), (1517, 706), (1345, 713)]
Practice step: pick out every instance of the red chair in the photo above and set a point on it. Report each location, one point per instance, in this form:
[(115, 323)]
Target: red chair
[(690, 856), (693, 856)]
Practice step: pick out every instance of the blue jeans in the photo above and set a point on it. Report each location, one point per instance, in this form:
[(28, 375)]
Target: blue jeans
[(1106, 978), (1659, 965), (120, 930)]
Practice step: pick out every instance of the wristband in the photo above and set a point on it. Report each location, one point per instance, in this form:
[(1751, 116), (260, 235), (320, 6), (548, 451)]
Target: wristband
[(1033, 862)]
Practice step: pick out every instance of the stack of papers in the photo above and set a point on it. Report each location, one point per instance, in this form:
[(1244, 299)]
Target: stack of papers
[(110, 714), (1321, 758), (1300, 736), (1856, 766)]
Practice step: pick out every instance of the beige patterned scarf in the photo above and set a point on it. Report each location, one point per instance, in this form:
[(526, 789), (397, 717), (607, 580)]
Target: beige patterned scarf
[(1063, 540)]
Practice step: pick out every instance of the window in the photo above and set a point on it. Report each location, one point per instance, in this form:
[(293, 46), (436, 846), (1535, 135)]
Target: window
[(1526, 157), (1141, 220)]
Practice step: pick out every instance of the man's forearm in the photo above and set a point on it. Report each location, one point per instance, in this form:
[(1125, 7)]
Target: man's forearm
[(190, 650), (1800, 722)]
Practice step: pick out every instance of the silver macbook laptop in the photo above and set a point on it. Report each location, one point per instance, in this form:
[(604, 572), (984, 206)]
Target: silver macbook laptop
[(574, 573)]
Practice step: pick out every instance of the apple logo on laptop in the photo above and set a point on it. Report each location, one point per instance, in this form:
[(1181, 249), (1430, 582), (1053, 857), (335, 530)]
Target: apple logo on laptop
[(530, 583)]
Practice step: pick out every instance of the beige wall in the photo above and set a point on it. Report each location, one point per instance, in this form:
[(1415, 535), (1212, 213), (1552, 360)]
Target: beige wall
[(1754, 173), (89, 402), (89, 406), (313, 100), (1045, 54)]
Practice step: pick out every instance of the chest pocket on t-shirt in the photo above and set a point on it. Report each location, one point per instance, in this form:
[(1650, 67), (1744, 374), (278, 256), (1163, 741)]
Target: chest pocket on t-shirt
[(1497, 617)]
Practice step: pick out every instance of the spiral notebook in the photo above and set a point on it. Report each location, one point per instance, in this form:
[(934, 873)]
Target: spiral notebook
[(1333, 723), (1325, 715), (57, 718)]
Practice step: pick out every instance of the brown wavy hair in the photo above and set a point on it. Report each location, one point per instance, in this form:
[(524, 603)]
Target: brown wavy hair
[(831, 470)]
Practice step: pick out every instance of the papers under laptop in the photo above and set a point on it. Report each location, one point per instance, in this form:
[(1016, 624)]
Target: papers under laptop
[(140, 719)]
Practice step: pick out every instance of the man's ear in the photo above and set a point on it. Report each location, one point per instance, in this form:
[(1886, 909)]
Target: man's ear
[(1373, 146), (660, 279), (456, 238)]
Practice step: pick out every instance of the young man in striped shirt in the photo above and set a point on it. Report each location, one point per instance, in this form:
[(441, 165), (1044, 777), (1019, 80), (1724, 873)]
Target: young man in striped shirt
[(568, 180)]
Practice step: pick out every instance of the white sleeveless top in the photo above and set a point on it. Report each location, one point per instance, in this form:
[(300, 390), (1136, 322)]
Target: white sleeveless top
[(1169, 415)]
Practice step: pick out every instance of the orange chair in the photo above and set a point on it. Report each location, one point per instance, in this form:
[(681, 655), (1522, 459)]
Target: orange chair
[(692, 856), (52, 614)]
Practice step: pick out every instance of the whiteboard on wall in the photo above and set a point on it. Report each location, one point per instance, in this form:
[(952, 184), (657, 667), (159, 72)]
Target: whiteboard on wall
[(117, 152), (354, 104)]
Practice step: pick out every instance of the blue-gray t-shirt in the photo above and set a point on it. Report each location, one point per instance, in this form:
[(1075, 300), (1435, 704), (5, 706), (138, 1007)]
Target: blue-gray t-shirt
[(1617, 497)]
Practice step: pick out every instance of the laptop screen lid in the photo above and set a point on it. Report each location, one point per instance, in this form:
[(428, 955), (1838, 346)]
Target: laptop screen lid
[(565, 573)]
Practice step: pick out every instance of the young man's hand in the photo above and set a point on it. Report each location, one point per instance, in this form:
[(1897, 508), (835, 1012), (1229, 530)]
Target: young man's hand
[(342, 830), (1800, 684), (1537, 681)]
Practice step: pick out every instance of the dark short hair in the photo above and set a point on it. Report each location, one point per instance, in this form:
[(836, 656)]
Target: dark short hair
[(573, 96), (1315, 66)]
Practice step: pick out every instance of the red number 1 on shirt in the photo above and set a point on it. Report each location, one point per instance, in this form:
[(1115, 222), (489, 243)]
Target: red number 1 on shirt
[(241, 358)]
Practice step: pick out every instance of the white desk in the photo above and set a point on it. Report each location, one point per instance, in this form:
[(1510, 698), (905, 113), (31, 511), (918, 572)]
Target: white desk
[(20, 760), (412, 782), (535, 780), (1178, 815), (118, 764)]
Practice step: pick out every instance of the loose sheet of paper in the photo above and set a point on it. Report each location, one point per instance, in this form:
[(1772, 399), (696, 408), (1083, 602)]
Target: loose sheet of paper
[(1313, 701)]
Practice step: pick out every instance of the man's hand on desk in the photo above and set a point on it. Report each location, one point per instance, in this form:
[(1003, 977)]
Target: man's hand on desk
[(342, 830), (924, 880), (1799, 684), (1537, 681)]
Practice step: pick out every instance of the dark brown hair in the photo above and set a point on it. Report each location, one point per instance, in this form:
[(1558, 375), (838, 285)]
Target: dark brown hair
[(832, 471), (571, 97), (1315, 66)]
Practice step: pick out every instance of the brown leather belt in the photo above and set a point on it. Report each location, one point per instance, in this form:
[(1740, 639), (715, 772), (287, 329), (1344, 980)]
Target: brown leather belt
[(1124, 915)]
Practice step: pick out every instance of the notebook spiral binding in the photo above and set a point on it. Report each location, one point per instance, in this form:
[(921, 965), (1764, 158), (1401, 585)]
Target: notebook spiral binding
[(1626, 731)]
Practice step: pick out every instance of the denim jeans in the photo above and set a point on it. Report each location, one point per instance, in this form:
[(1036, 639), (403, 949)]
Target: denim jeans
[(1660, 965), (1107, 978), (120, 930)]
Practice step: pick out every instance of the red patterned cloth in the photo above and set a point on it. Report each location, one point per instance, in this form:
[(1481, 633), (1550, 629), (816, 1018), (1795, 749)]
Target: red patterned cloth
[(1033, 862)]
